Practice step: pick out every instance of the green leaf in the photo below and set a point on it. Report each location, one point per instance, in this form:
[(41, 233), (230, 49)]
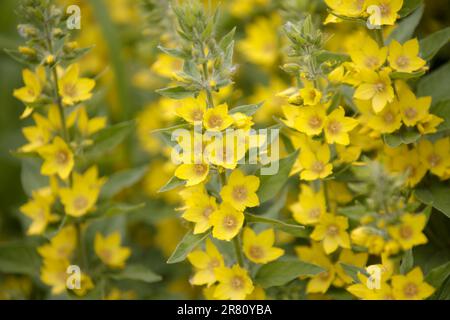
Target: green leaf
[(122, 180), (280, 272), (442, 110), (113, 209), (406, 76), (31, 177), (295, 230), (324, 56), (352, 271), (436, 196), (407, 262), (176, 53), (435, 84), (227, 39), (137, 273), (409, 6), (354, 212), (19, 258), (406, 27), (431, 45), (173, 183), (109, 138), (176, 93), (438, 275), (248, 110), (186, 245), (403, 136), (272, 184)]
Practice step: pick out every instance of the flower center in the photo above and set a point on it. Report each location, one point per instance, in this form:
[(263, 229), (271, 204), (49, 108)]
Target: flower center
[(334, 127), (240, 193), (380, 87), (332, 230), (315, 122), (214, 263), (106, 254), (410, 113), (215, 121), (80, 203), (256, 252), (62, 157), (197, 115), (70, 90), (406, 232), (207, 212), (385, 10), (237, 283), (229, 222), (411, 290), (200, 169), (318, 167), (324, 275), (434, 160), (402, 61), (389, 117), (371, 62), (314, 213)]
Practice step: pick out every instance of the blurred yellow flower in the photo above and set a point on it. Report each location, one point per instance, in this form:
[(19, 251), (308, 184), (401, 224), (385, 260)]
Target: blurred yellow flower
[(259, 248), (234, 283), (109, 250)]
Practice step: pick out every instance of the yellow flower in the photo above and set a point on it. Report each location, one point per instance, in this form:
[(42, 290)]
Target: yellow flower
[(192, 173), (82, 196), (39, 210), (240, 191), (165, 65), (348, 257), (217, 118), (331, 230), (311, 120), (316, 164), (362, 290), (259, 248), (337, 126), (386, 121), (227, 222), (290, 113), (411, 286), (310, 206), (387, 13), (370, 55), (243, 9), (234, 283), (109, 250), (429, 124), (349, 8), (86, 285), (199, 210), (87, 126), (54, 274), (226, 151), (192, 110), (376, 87), (34, 83), (310, 95), (242, 121), (412, 109), (405, 58), (58, 159), (38, 135), (61, 246), (205, 263), (321, 282), (74, 89), (408, 232), (261, 44), (409, 162), (436, 156)]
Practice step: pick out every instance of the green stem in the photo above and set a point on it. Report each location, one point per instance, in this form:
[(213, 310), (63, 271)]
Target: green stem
[(81, 252), (325, 193), (238, 251), (209, 96), (378, 34)]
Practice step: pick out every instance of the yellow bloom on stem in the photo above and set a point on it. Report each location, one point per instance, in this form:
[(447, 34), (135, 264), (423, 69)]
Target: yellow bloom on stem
[(310, 206), (411, 286), (74, 89), (429, 124), (88, 127), (310, 120), (234, 283), (259, 248), (370, 55), (408, 233), (435, 156), (58, 159), (192, 173), (34, 83), (165, 65), (409, 162), (405, 58), (205, 263), (337, 126), (54, 274), (387, 12), (412, 109), (331, 230), (199, 211), (348, 257), (363, 291), (316, 164), (217, 118), (386, 121), (240, 191), (82, 196), (227, 222), (39, 210), (86, 285), (376, 87), (290, 113), (242, 121), (349, 8), (38, 135), (309, 94), (109, 250), (61, 246), (192, 110), (227, 150)]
